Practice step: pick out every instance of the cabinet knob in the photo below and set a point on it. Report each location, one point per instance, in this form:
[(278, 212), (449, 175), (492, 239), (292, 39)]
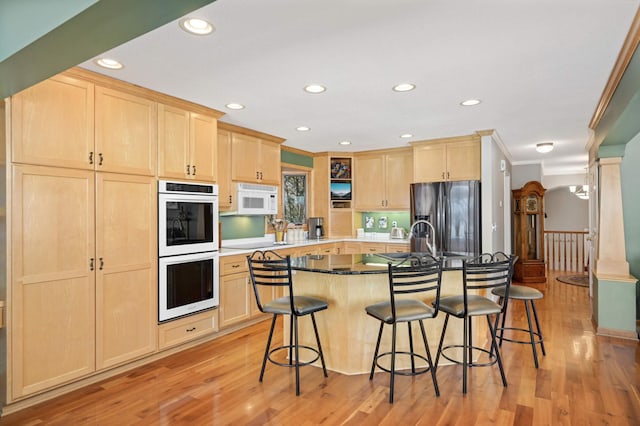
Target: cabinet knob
[(230, 202)]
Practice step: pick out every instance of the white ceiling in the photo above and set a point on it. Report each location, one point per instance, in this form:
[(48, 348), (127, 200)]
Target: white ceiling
[(539, 67)]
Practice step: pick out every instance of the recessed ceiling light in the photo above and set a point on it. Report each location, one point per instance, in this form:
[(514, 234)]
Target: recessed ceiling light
[(544, 147), (234, 106), (314, 88), (406, 136), (303, 129), (470, 102), (404, 87), (345, 143), (196, 26), (111, 64)]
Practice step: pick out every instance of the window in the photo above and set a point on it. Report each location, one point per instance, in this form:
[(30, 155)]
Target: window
[(295, 197)]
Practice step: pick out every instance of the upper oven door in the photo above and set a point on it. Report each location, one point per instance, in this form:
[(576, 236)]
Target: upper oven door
[(187, 223)]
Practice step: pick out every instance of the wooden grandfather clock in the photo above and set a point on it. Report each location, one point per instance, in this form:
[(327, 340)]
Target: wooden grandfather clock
[(528, 233)]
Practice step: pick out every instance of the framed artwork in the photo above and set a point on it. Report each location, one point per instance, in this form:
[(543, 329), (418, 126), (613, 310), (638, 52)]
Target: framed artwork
[(341, 168)]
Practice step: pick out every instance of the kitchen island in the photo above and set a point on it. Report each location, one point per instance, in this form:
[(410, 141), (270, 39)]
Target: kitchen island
[(349, 283)]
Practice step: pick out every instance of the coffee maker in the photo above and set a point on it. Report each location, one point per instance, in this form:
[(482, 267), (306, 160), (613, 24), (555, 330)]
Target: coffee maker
[(316, 228)]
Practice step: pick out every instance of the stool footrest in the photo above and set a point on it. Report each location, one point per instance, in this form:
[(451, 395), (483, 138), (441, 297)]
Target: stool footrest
[(292, 348), (412, 371), (524, 330), (492, 357)]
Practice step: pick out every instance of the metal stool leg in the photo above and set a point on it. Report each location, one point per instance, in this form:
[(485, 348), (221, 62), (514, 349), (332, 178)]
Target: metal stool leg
[(535, 317), (444, 329), (494, 344), (315, 328), (295, 325), (375, 354), (431, 366), (531, 335), (393, 362), (266, 350)]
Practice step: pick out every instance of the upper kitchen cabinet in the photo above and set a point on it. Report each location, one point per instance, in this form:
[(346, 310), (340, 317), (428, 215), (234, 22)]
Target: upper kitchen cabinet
[(254, 159), (52, 123), (226, 196), (187, 144), (125, 137), (382, 180), (447, 159)]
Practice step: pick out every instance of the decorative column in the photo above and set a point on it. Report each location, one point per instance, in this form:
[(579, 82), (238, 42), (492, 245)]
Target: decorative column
[(614, 290), (611, 258)]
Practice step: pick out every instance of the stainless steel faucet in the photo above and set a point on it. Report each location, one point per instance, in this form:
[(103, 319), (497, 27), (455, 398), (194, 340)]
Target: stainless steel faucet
[(432, 247)]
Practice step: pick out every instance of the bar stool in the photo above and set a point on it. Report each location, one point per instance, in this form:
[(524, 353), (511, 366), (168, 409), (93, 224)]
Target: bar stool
[(527, 295), (416, 275), (269, 269), (484, 273)]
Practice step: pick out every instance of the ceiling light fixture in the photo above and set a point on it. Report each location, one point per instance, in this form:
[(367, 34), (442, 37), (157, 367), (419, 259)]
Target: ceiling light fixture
[(196, 26), (234, 106), (470, 102), (303, 129), (345, 143), (314, 88), (544, 147), (111, 64), (404, 87), (582, 193), (406, 136)]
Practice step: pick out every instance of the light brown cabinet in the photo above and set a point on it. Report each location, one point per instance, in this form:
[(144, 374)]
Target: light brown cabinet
[(450, 160), (125, 133), (83, 273), (69, 122), (126, 268), (53, 277), (234, 290), (254, 160), (382, 180), (226, 187), (187, 144), (189, 328), (53, 123)]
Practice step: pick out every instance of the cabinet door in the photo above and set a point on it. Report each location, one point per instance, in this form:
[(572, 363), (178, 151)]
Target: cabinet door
[(53, 284), (341, 223), (234, 299), (126, 128), (126, 277), (244, 158), (463, 161), (429, 163), (369, 182), (225, 186), (269, 163), (53, 123), (173, 142), (399, 175), (204, 147)]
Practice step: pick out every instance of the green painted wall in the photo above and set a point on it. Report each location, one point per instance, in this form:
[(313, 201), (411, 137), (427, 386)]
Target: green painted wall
[(630, 176), (233, 227), (403, 219), (295, 158)]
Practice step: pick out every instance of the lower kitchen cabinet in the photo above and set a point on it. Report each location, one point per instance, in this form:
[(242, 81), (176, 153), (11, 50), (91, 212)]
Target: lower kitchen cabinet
[(234, 299), (186, 329), (126, 268), (83, 274)]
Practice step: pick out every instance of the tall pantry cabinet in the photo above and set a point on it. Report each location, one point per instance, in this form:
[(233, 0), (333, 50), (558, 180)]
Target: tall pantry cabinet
[(83, 231)]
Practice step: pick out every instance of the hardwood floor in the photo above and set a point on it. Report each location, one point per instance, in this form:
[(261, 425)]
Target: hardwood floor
[(583, 379)]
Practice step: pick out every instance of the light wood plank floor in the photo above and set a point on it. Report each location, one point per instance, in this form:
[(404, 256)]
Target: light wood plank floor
[(584, 379)]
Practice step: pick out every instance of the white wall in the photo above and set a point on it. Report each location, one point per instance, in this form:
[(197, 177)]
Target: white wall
[(523, 173), (564, 211)]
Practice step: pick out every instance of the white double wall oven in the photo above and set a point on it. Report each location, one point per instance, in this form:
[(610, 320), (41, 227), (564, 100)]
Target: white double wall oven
[(187, 248)]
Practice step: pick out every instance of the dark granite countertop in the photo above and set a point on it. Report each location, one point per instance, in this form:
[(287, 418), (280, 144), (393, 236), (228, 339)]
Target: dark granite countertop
[(358, 264)]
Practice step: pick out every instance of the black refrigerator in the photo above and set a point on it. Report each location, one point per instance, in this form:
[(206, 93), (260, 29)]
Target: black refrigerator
[(453, 208)]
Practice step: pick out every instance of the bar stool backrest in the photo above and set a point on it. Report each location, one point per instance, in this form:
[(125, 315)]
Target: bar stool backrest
[(417, 274), (269, 269), (486, 272)]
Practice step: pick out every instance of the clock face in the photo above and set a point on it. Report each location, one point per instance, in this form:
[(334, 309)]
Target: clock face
[(532, 204)]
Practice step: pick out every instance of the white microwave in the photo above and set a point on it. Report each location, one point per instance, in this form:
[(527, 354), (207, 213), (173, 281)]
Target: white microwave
[(256, 199)]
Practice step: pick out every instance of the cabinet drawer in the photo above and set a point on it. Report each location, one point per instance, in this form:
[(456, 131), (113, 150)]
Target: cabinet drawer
[(189, 328), (397, 248), (233, 264), (373, 248)]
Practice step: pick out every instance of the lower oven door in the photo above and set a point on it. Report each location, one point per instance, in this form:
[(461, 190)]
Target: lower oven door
[(187, 284)]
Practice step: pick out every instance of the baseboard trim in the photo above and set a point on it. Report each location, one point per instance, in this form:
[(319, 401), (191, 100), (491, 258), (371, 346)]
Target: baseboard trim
[(621, 334)]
